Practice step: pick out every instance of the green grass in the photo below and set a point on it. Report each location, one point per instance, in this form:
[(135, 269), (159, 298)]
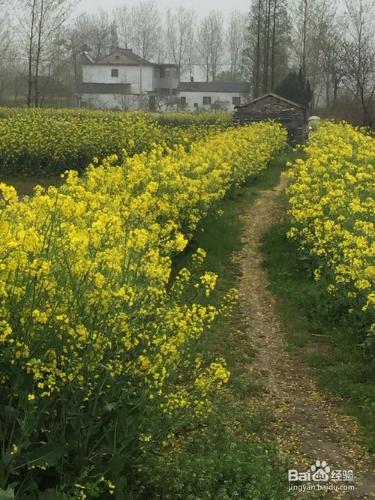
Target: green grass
[(328, 342), (232, 457), (219, 235)]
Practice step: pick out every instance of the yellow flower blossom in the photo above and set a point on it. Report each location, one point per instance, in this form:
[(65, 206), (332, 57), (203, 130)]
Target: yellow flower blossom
[(90, 305), (332, 202)]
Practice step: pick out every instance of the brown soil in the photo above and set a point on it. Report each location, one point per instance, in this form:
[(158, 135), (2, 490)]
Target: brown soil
[(308, 424)]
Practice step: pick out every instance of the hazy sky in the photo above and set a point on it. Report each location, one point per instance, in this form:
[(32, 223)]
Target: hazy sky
[(201, 6)]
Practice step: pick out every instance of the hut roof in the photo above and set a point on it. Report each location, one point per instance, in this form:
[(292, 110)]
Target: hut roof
[(275, 96)]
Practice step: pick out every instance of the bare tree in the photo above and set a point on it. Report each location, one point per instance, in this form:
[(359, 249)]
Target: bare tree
[(31, 34), (41, 20), (257, 61), (331, 62), (6, 44), (236, 41), (94, 33), (78, 42), (180, 36), (210, 42), (359, 55), (99, 33), (123, 19), (146, 26), (265, 58), (313, 27), (5, 28)]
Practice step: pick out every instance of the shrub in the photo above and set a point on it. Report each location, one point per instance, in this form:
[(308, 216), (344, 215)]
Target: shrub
[(332, 207), (101, 349), (47, 141)]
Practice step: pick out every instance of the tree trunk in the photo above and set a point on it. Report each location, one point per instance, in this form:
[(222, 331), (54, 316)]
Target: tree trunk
[(257, 56), (265, 49), (304, 38), (30, 55), (38, 52), (273, 45), (335, 92), (266, 65)]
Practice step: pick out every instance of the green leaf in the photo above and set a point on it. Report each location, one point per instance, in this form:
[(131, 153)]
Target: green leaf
[(9, 413), (110, 407), (7, 494), (52, 494), (47, 455)]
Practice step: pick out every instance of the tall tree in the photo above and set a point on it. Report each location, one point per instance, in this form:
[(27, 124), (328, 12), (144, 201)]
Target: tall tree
[(146, 29), (313, 23), (99, 33), (236, 41), (331, 62), (41, 21), (210, 43), (6, 45), (180, 36), (31, 34), (359, 56), (124, 25), (265, 58), (5, 28), (79, 39)]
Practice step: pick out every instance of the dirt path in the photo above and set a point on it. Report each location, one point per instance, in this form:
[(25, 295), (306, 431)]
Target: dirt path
[(308, 425)]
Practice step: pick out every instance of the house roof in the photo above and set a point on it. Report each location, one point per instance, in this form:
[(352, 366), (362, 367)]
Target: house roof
[(275, 96), (225, 87), (123, 57)]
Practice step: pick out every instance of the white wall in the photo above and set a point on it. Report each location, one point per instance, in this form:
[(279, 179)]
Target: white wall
[(150, 82), (127, 74), (223, 98), (114, 101)]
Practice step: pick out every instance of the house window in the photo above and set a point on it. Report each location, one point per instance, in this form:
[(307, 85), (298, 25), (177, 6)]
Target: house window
[(206, 100), (162, 72), (236, 101), (195, 105), (183, 100), (114, 73)]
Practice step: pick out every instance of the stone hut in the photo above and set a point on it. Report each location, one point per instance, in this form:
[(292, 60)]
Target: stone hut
[(274, 107)]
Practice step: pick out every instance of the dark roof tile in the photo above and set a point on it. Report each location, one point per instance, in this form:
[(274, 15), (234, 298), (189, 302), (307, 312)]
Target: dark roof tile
[(229, 87), (275, 96), (122, 57)]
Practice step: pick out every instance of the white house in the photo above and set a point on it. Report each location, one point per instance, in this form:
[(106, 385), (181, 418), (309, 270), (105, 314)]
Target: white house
[(124, 80), (211, 95)]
